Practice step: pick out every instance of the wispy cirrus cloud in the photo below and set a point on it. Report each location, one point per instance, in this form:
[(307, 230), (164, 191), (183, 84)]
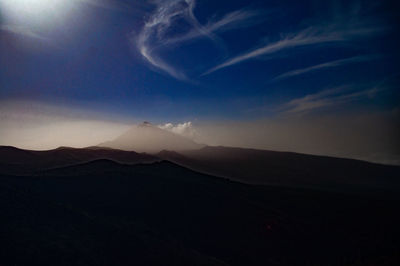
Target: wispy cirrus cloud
[(313, 35), (335, 63), (327, 98), (233, 20), (161, 30)]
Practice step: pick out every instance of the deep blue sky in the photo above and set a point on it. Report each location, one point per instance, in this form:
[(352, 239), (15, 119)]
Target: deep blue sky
[(177, 60)]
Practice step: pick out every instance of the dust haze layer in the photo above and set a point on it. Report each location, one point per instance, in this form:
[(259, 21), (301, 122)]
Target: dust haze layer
[(371, 136), (151, 139)]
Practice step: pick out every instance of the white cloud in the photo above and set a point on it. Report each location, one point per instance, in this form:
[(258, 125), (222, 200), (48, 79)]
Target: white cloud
[(232, 20), (158, 28), (321, 34), (336, 63), (325, 98), (185, 129)]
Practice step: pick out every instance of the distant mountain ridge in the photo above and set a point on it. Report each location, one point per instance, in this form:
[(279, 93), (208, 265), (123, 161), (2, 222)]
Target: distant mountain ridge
[(150, 139), (19, 161), (238, 164), (284, 168)]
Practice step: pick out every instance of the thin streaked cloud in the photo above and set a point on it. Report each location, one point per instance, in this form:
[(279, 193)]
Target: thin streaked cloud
[(306, 37), (351, 25), (156, 32), (327, 98), (335, 63)]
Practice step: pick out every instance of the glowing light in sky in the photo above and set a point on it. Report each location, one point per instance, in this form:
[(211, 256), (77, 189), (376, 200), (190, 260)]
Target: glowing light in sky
[(34, 11)]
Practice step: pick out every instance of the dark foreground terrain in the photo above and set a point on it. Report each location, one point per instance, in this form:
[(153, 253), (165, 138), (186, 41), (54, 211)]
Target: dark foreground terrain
[(106, 213)]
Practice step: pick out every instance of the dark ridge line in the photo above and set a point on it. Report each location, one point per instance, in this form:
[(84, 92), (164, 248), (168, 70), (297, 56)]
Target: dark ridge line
[(160, 162), (220, 179), (295, 153), (207, 147)]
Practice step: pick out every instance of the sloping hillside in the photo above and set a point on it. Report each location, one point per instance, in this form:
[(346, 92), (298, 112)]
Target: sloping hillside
[(105, 213)]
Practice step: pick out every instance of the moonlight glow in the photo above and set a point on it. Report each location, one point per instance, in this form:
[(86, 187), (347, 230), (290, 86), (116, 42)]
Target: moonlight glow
[(34, 11)]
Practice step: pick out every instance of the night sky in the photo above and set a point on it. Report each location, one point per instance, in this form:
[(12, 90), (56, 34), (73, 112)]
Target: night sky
[(300, 67)]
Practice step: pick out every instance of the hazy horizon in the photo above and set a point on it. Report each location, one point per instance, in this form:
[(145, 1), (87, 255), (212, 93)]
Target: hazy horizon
[(279, 75), (39, 126)]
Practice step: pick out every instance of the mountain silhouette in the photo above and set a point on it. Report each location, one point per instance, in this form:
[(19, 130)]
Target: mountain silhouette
[(249, 166), (150, 139), (18, 161), (285, 168)]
